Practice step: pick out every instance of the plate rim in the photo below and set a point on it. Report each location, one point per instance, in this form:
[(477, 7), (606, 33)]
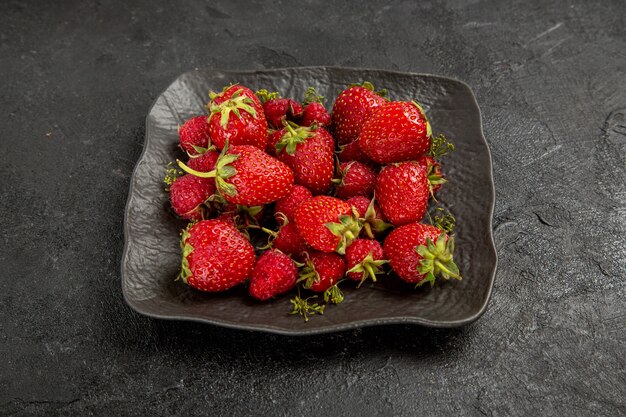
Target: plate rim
[(334, 327)]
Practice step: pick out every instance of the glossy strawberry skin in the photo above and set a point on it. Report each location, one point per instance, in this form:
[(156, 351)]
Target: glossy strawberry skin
[(399, 248), (248, 129), (351, 109), (352, 152), (290, 203), (330, 268), (397, 131), (289, 241), (311, 219), (204, 162), (274, 273), (402, 191), (260, 178), (218, 256), (357, 252), (279, 110), (358, 179), (194, 132), (188, 193), (315, 113), (313, 162), (432, 168)]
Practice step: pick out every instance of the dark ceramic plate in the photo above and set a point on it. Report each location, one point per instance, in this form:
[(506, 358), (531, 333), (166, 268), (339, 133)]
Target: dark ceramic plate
[(151, 257)]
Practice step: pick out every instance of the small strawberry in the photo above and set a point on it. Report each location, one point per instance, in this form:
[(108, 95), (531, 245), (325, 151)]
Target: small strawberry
[(248, 176), (352, 108), (419, 253), (364, 259), (215, 256), (354, 179), (327, 224), (290, 203), (370, 215), (352, 152), (236, 116), (188, 194), (322, 271), (274, 273), (314, 111), (402, 191), (287, 240), (204, 162), (397, 131), (194, 135), (278, 110), (307, 152)]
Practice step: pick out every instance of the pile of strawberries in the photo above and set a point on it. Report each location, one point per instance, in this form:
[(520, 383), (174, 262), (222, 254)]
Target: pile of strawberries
[(284, 195)]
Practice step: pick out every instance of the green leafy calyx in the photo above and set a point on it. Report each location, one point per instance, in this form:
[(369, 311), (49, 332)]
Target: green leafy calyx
[(235, 104), (223, 170), (369, 268), (437, 260), (347, 229), (311, 96), (305, 308), (265, 95), (293, 136)]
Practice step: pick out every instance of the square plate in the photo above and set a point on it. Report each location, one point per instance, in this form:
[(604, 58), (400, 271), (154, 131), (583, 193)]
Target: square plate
[(151, 256)]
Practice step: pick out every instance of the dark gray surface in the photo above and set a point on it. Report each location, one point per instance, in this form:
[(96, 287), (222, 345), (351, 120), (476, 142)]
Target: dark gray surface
[(151, 259), (76, 83)]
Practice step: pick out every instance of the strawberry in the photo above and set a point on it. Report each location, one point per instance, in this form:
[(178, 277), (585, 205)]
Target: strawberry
[(370, 214), (215, 256), (352, 108), (327, 224), (236, 116), (248, 176), (290, 203), (187, 195), (433, 172), (322, 271), (402, 191), (354, 179), (204, 162), (278, 110), (419, 253), (194, 135), (364, 259), (287, 240), (274, 273), (397, 131), (314, 111), (308, 152), (352, 152)]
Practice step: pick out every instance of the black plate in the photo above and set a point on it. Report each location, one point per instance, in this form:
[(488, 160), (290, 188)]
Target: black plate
[(151, 255)]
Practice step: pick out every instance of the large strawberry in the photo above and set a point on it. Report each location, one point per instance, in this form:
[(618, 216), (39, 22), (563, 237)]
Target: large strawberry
[(236, 116), (397, 131), (364, 258), (352, 108), (402, 191), (327, 223), (354, 178), (274, 273), (278, 110), (248, 176), (314, 111), (194, 135), (309, 153), (288, 205), (216, 256), (188, 194), (419, 253), (322, 272)]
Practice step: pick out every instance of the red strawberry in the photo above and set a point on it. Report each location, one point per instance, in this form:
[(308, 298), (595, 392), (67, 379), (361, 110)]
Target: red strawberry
[(194, 135), (236, 116), (354, 179), (215, 257), (287, 240), (419, 253), (308, 153), (274, 273), (364, 258), (322, 271), (433, 172), (279, 110), (370, 214), (402, 192), (204, 162), (290, 203), (397, 131), (327, 224), (187, 195), (314, 110), (248, 176), (351, 109), (352, 152)]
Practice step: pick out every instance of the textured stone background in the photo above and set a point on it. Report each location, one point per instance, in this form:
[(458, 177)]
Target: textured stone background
[(77, 80)]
